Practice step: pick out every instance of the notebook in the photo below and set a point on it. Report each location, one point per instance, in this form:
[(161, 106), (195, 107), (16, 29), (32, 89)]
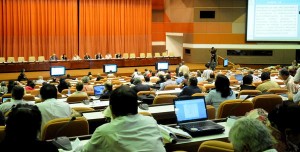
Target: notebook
[(191, 114), (98, 90)]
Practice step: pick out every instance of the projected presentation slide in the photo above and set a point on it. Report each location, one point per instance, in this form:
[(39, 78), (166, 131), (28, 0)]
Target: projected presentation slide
[(273, 20)]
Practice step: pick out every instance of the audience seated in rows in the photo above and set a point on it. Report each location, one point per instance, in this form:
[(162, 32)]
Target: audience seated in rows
[(221, 92), (191, 89), (138, 86), (247, 83), (86, 87), (108, 87), (17, 98), (128, 131), (168, 81), (288, 80), (251, 135), (266, 83), (79, 88), (52, 108), (22, 127)]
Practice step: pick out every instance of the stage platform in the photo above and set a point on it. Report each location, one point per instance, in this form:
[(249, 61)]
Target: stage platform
[(123, 71)]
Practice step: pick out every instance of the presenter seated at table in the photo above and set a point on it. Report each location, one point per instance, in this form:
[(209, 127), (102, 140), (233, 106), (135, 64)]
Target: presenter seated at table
[(87, 57), (64, 57), (118, 56), (22, 127), (98, 56), (108, 56), (267, 83), (128, 131), (76, 57), (248, 134), (53, 57), (247, 83)]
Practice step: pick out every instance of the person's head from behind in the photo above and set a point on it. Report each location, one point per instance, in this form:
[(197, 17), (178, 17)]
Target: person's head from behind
[(147, 79), (108, 86), (250, 135), (212, 75), (168, 76), (48, 91), (180, 74), (207, 65), (30, 83), (161, 78), (135, 70), (98, 78), (17, 92), (286, 119), (79, 86), (193, 81), (198, 73), (247, 79), (250, 72), (222, 85), (40, 77), (265, 76), (137, 81), (23, 123), (85, 79), (123, 101), (3, 84), (186, 76), (68, 76), (89, 73), (284, 73)]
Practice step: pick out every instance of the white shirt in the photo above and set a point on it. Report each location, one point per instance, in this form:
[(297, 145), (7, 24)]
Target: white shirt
[(206, 74), (52, 109), (133, 133), (7, 106), (290, 85), (76, 58), (39, 81), (297, 76), (108, 56), (184, 69)]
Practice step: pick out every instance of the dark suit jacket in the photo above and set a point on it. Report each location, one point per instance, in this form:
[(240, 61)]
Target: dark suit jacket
[(141, 87), (190, 90)]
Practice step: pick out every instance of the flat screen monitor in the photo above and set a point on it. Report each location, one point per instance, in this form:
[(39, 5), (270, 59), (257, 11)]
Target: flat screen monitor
[(273, 20), (107, 68), (225, 63), (57, 70), (162, 66)]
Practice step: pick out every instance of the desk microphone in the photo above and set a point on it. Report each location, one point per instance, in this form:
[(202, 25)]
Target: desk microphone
[(63, 142)]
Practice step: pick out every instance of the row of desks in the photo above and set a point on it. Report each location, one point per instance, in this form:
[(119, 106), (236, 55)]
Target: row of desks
[(84, 64)]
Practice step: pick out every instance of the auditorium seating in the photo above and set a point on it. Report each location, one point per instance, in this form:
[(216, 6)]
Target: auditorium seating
[(267, 102), (10, 59), (41, 58), (215, 146), (234, 108), (31, 59), (249, 92), (164, 99), (149, 55), (21, 59)]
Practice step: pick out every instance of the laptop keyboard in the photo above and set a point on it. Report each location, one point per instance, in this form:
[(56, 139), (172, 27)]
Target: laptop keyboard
[(201, 124)]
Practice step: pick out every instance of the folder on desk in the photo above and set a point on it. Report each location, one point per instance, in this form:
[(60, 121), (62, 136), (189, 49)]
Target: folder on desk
[(191, 114)]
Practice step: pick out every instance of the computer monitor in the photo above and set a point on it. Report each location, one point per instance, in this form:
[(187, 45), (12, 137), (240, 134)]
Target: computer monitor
[(225, 63), (57, 70), (107, 68), (98, 90), (162, 66)]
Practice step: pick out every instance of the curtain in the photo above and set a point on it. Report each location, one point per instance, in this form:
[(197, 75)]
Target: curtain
[(38, 28), (115, 26)]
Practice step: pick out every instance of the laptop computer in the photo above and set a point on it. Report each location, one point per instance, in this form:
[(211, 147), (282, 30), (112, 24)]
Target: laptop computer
[(98, 90), (239, 77), (191, 114), (5, 99)]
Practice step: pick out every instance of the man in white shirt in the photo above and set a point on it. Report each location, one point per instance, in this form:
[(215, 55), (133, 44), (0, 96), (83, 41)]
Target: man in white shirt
[(206, 73), (297, 76), (40, 80), (17, 98), (76, 57), (184, 69), (128, 131), (108, 56), (288, 80), (50, 107)]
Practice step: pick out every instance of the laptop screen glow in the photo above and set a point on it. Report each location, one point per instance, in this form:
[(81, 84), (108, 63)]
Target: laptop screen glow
[(98, 90), (239, 77), (188, 110)]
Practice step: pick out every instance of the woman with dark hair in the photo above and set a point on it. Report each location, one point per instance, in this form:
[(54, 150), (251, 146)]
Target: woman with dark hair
[(161, 79), (62, 85), (247, 83), (22, 127), (30, 85), (221, 93)]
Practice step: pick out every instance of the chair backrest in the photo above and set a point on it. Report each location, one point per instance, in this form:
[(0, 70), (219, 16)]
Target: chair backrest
[(29, 97), (31, 59), (153, 79), (2, 133), (7, 95), (164, 99), (83, 109), (149, 55), (278, 90), (249, 92), (234, 82), (90, 93), (11, 59), (164, 54), (145, 113), (198, 94), (35, 93), (209, 86), (79, 98), (77, 127), (145, 93), (41, 58), (234, 108), (171, 87), (215, 146), (267, 102), (21, 59), (65, 91), (2, 59), (257, 83), (125, 55), (142, 55), (156, 55), (132, 55), (211, 111)]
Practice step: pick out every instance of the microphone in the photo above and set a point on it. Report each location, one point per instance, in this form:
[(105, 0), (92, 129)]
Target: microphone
[(63, 142)]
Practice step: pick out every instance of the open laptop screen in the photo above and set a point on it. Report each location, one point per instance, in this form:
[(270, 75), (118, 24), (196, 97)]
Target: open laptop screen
[(5, 99), (98, 90), (239, 77), (190, 109)]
